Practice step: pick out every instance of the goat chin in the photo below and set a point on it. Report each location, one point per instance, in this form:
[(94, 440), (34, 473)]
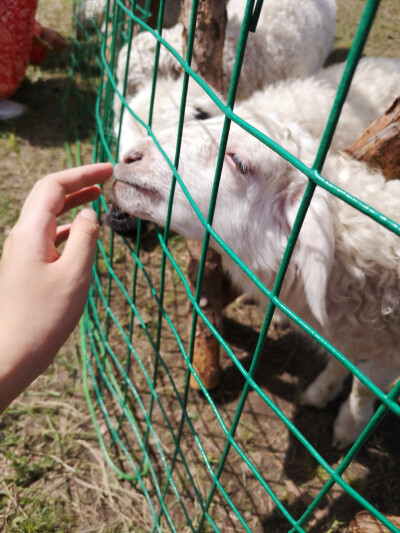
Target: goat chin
[(343, 278)]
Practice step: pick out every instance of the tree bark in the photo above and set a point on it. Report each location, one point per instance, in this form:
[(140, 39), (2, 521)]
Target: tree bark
[(379, 144), (208, 40), (206, 347), (207, 62), (364, 522)]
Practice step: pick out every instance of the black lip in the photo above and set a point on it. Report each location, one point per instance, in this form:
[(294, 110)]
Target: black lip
[(123, 223), (127, 226)]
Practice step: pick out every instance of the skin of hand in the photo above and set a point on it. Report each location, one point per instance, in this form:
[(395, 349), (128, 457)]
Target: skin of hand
[(43, 292)]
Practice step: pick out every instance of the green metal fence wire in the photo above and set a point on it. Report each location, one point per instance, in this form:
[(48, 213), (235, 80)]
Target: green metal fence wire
[(136, 353)]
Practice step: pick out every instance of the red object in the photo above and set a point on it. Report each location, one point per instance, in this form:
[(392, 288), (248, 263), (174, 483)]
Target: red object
[(17, 30), (39, 49)]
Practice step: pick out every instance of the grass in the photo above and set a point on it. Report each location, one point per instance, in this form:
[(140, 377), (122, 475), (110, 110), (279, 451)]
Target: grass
[(383, 40), (53, 475)]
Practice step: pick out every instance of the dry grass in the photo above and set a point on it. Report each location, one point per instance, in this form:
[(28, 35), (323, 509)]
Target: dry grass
[(54, 476)]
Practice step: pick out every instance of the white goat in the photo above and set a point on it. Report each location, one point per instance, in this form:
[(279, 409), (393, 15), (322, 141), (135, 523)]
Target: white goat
[(306, 101), (293, 39), (344, 275)]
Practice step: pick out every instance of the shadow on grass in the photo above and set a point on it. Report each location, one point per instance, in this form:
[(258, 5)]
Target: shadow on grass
[(49, 102), (380, 486), (375, 471)]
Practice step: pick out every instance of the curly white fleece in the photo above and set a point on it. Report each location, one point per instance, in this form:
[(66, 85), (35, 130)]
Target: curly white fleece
[(292, 39)]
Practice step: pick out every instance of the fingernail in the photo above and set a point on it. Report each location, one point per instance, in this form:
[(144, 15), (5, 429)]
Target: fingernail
[(88, 213)]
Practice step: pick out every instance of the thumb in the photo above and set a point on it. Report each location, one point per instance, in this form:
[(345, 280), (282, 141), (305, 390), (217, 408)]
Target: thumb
[(79, 250)]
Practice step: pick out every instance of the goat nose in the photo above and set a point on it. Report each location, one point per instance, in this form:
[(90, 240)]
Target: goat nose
[(131, 157)]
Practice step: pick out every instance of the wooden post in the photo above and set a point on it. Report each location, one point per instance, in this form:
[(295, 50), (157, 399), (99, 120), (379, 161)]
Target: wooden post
[(206, 347), (364, 522), (209, 39), (379, 144), (207, 62)]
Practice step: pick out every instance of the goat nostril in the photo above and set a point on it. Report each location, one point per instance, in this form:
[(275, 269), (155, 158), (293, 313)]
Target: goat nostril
[(132, 157)]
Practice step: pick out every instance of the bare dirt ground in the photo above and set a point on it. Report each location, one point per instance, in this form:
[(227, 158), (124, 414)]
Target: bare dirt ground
[(53, 475)]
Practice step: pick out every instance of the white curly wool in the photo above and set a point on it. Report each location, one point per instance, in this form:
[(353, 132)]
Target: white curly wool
[(292, 39), (344, 275), (93, 11), (305, 101), (308, 102)]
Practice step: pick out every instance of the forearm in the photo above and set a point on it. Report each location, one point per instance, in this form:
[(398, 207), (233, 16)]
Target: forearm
[(43, 292), (17, 371), (26, 350)]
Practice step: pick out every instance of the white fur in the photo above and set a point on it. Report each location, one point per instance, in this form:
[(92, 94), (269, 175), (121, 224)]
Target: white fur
[(306, 101), (165, 112), (94, 10), (343, 278), (293, 39)]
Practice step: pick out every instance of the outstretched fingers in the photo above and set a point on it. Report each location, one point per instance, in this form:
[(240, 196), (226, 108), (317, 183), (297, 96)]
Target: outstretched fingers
[(81, 197), (56, 193), (75, 179)]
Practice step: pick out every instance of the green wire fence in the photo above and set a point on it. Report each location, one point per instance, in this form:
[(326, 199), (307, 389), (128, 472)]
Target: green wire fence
[(198, 458)]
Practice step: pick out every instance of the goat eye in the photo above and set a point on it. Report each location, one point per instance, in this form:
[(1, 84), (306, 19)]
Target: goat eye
[(200, 114), (242, 167)]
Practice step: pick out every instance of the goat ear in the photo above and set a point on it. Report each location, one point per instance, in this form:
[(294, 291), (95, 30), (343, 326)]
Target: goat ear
[(313, 254)]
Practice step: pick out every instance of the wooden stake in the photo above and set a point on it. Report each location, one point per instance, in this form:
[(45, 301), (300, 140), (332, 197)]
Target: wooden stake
[(379, 144), (207, 62), (206, 348), (364, 522)]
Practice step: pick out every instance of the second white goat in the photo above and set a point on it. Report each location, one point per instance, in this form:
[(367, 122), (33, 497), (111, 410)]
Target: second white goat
[(293, 39)]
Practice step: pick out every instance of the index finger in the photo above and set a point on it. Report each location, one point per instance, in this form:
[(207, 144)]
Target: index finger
[(74, 179), (49, 194)]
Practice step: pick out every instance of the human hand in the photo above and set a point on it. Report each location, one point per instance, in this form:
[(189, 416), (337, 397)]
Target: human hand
[(43, 292)]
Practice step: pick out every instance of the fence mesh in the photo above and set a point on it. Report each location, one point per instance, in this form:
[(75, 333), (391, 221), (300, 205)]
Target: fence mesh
[(204, 461)]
